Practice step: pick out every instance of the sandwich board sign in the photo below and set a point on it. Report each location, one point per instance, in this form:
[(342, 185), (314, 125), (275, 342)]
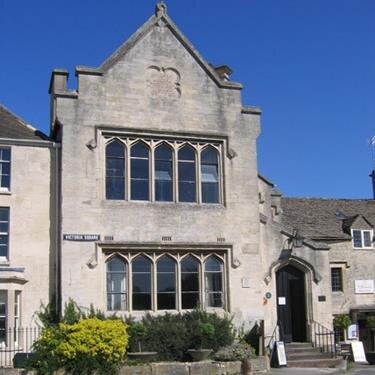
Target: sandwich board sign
[(280, 350), (358, 351)]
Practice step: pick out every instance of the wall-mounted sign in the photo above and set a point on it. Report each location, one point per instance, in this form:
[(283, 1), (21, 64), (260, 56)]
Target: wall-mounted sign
[(268, 295), (245, 282), (282, 300), (353, 332), (321, 298), (81, 237), (364, 286)]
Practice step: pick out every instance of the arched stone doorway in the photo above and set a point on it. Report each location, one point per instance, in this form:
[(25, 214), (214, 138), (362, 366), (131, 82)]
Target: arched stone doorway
[(291, 304)]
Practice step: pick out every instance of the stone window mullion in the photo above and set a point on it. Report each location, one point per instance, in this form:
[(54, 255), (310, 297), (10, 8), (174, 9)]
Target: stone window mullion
[(198, 149)]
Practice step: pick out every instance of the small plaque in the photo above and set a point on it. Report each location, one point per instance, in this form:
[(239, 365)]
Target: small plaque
[(364, 286), (321, 298), (281, 300), (81, 237), (268, 295), (245, 282)]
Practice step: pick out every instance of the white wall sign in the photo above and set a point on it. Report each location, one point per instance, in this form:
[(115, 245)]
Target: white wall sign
[(358, 351), (364, 286), (353, 332), (282, 301), (245, 282)]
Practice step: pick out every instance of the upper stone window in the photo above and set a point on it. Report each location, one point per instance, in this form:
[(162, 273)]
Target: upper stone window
[(4, 168), (163, 170), (362, 239)]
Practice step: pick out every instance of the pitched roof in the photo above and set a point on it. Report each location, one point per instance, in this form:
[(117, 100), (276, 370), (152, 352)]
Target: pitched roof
[(12, 126), (319, 218)]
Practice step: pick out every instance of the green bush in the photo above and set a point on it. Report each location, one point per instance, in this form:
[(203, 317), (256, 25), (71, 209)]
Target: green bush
[(342, 321), (81, 348), (172, 335)]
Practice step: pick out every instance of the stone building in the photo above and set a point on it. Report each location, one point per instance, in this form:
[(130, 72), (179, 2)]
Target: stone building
[(160, 207), (27, 249)]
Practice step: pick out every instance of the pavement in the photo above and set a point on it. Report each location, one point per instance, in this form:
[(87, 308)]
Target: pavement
[(355, 370)]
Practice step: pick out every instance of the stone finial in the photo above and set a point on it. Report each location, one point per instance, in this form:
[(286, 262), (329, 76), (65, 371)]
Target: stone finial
[(160, 9)]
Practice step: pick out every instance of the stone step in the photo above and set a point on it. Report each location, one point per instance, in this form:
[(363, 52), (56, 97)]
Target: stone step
[(327, 363), (302, 350), (304, 355), (293, 345)]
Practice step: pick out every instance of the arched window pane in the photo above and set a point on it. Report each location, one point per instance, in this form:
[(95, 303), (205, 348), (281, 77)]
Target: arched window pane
[(186, 174), (209, 175), (139, 175), (213, 277), (115, 170), (116, 284), (163, 174), (189, 282), (141, 276), (166, 283)]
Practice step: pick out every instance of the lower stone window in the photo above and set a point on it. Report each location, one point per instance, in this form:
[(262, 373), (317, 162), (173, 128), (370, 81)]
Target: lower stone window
[(166, 281)]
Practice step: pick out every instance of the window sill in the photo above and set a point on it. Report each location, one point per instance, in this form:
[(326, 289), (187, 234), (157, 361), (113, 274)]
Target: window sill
[(5, 191), (363, 248), (119, 203)]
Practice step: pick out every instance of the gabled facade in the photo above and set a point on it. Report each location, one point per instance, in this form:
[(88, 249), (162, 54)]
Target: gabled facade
[(159, 160), (149, 200)]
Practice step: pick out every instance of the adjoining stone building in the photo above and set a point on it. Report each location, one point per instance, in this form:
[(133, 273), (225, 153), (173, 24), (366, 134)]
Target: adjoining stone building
[(27, 247), (160, 207)]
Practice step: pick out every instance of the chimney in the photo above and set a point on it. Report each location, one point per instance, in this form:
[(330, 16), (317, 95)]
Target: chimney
[(372, 175), (57, 85)]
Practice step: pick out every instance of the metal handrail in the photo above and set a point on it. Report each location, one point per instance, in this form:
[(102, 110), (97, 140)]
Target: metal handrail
[(323, 338), (273, 339)]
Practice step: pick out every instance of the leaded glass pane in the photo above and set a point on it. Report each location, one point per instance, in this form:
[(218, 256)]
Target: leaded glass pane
[(141, 276), (166, 283), (357, 238), (186, 175), (115, 170), (163, 174), (367, 238), (189, 282), (210, 175)]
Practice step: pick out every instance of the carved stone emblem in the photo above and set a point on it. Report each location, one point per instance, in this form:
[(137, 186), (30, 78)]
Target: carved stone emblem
[(163, 82)]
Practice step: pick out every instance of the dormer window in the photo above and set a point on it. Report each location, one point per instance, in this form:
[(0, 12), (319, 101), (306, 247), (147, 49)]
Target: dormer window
[(362, 239)]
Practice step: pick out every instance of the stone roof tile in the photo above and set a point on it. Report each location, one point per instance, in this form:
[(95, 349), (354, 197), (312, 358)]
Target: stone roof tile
[(319, 218)]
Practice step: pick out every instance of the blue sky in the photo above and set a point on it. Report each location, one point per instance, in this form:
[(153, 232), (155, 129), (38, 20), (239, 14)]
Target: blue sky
[(309, 64)]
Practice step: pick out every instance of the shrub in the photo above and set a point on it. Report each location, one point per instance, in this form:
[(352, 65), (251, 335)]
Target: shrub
[(235, 352), (342, 321), (172, 335), (81, 348)]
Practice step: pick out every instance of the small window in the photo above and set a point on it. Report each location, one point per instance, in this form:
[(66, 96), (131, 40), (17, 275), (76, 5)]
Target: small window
[(362, 238), (4, 168), (140, 175), (3, 316), (116, 284), (166, 281), (141, 273), (4, 233), (189, 282), (336, 279), (210, 175), (115, 170), (163, 174), (17, 315), (213, 276)]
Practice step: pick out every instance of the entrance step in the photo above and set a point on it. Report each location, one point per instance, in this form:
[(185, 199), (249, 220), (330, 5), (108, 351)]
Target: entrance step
[(303, 354)]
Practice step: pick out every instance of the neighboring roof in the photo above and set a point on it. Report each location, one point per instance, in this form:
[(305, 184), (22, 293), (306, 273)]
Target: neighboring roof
[(319, 218), (13, 127), (160, 18)]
